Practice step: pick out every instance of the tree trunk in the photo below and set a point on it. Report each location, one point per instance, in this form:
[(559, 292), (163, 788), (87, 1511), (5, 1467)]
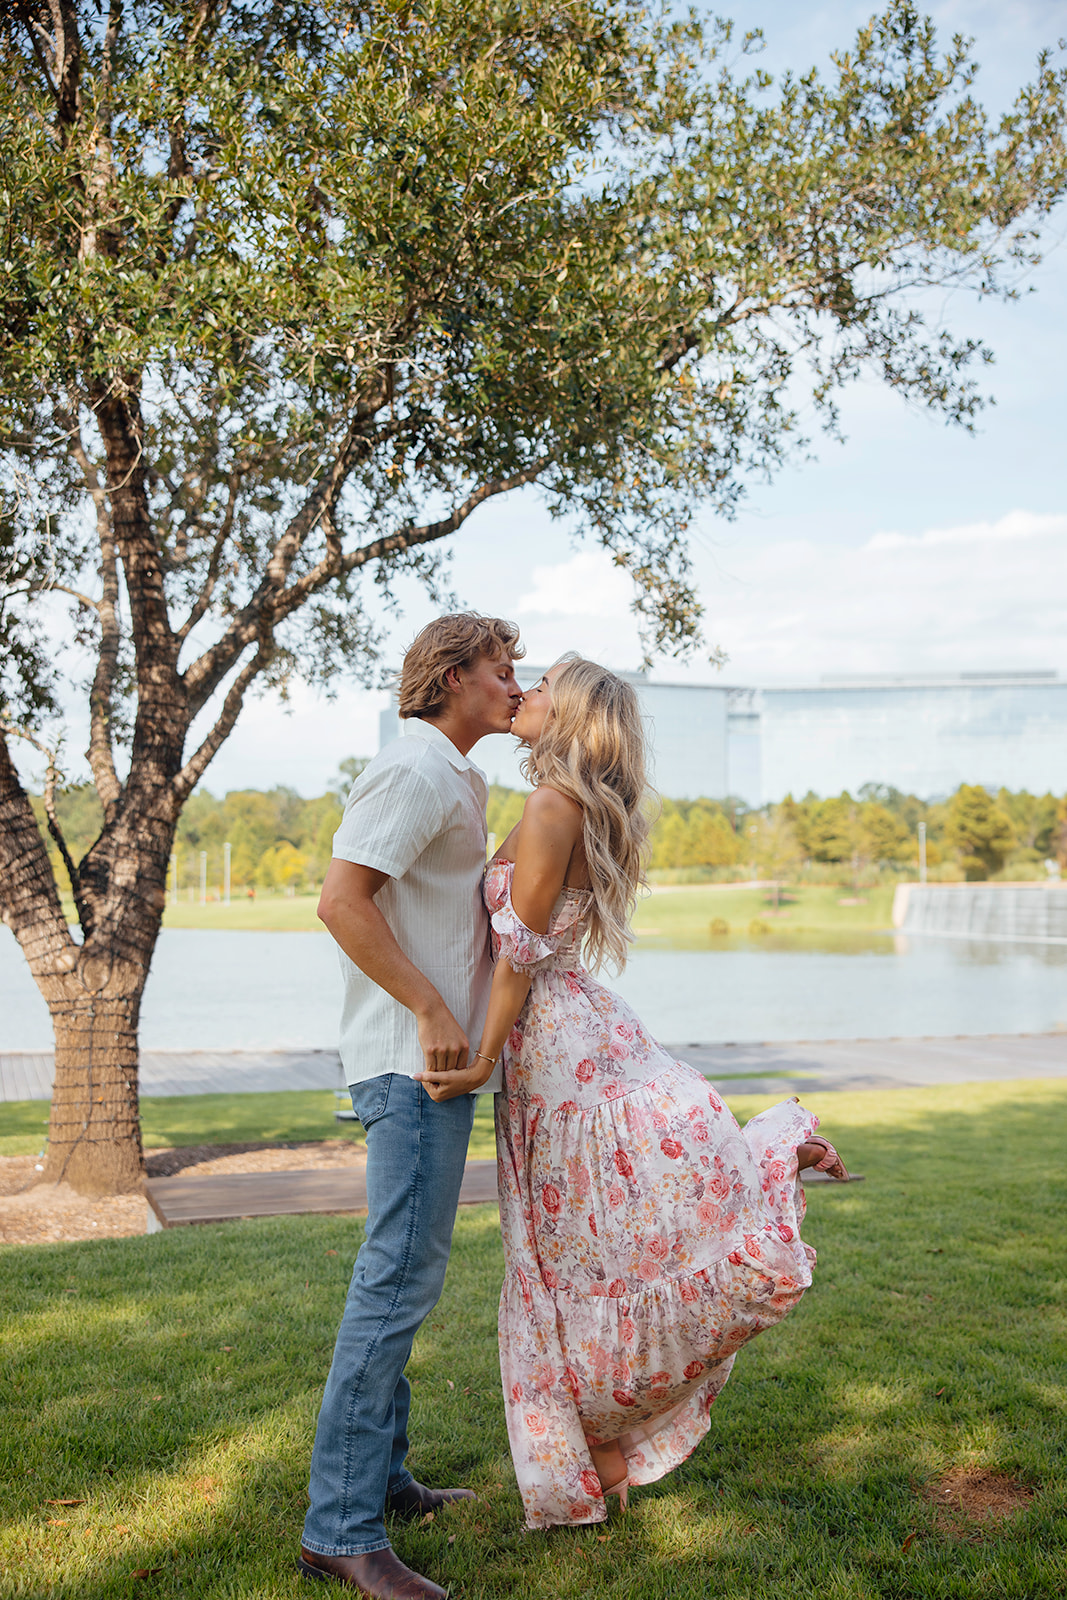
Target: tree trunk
[(94, 1134)]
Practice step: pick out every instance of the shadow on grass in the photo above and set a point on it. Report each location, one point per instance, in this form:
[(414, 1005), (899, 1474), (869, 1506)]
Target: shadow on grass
[(171, 1384)]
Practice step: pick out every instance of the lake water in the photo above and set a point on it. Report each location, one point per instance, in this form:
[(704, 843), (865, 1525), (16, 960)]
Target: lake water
[(256, 991)]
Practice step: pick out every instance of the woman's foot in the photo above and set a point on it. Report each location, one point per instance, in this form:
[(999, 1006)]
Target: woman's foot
[(820, 1154), (611, 1469)]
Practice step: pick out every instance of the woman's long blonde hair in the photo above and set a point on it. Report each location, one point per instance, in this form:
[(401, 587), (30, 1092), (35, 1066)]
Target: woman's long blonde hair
[(592, 749)]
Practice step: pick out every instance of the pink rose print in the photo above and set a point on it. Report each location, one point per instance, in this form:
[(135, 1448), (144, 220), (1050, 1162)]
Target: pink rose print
[(785, 1232), (569, 1108), (660, 1380), (516, 1392), (672, 1148), (623, 1030), (551, 1281), (592, 1225), (648, 1270), (535, 1424), (622, 1397), (694, 1369), (623, 1165), (570, 1377), (615, 1195), (515, 1040), (700, 1132), (618, 1051), (620, 1373), (687, 1291), (719, 1187), (657, 1247), (585, 1071), (591, 1484), (551, 1199), (777, 1171), (752, 1246), (627, 1331), (708, 1214), (658, 1119), (617, 1288), (577, 1511)]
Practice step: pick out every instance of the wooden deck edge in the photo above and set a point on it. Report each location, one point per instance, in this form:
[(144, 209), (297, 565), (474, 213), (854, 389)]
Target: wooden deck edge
[(190, 1201)]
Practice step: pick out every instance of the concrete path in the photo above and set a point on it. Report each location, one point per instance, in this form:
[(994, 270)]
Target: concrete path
[(742, 1068), (27, 1074), (877, 1063)]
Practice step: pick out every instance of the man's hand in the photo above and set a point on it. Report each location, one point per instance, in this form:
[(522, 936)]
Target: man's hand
[(447, 1085), (443, 1043)]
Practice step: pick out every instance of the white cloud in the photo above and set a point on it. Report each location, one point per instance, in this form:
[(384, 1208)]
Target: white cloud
[(588, 585), (964, 598)]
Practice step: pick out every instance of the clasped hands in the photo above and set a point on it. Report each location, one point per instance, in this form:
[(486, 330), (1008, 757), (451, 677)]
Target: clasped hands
[(450, 1067)]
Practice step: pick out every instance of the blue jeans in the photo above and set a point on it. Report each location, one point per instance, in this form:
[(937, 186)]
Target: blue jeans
[(416, 1150)]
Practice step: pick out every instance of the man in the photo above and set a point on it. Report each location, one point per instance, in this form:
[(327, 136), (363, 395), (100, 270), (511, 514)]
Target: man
[(402, 898)]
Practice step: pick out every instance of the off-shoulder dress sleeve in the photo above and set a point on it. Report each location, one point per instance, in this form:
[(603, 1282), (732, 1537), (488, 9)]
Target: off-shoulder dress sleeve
[(522, 948)]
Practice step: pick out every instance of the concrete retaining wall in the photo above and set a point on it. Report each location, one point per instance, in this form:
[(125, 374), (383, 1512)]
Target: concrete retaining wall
[(1012, 913)]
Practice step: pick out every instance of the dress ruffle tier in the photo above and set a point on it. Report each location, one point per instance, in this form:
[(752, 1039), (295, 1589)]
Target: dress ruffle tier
[(647, 1237)]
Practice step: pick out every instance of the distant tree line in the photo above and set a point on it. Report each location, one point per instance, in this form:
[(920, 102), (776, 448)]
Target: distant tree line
[(971, 835), (280, 843)]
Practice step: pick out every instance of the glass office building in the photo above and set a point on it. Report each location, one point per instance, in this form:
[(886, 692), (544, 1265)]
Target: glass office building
[(925, 735)]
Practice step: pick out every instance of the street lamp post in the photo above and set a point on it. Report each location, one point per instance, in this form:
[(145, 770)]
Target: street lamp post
[(922, 852), (226, 872), (203, 877)]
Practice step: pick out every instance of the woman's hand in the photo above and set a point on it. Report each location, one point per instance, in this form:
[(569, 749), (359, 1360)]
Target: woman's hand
[(464, 1080)]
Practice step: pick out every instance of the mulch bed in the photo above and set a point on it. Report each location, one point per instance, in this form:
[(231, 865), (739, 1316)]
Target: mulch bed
[(32, 1212)]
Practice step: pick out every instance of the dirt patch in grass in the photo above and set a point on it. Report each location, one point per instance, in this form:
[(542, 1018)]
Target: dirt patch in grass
[(32, 1212), (973, 1504)]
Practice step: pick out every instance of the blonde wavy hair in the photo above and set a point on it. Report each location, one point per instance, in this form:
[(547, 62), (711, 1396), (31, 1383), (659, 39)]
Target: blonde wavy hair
[(447, 642), (592, 749)]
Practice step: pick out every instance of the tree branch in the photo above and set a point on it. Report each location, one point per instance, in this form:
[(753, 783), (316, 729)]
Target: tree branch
[(203, 599), (186, 780), (100, 754), (29, 898), (203, 676), (85, 909)]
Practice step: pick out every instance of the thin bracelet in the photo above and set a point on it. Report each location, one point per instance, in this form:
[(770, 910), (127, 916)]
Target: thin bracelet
[(480, 1055)]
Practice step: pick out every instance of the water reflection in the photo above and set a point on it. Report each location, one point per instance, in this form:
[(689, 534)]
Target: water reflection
[(255, 991)]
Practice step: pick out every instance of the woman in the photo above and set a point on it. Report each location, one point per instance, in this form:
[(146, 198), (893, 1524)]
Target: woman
[(646, 1236)]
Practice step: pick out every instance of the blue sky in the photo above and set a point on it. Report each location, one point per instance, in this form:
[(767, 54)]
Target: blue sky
[(912, 546)]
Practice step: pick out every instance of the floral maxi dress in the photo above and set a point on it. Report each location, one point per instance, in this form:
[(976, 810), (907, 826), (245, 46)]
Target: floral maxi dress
[(646, 1235)]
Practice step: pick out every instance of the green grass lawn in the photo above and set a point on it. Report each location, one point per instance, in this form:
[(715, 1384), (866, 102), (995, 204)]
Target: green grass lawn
[(170, 1121), (679, 915), (169, 1384)]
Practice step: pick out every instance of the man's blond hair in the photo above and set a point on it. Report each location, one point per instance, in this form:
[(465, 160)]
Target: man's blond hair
[(446, 643)]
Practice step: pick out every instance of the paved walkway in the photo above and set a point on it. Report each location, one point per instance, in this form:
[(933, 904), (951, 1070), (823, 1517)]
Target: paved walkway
[(742, 1068)]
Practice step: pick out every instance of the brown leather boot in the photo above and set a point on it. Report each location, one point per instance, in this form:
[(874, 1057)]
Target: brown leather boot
[(381, 1575), (415, 1499)]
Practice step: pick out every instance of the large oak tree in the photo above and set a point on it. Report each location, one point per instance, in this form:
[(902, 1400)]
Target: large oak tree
[(290, 288)]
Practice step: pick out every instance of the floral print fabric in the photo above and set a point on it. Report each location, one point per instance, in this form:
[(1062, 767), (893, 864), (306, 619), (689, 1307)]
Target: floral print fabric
[(647, 1236)]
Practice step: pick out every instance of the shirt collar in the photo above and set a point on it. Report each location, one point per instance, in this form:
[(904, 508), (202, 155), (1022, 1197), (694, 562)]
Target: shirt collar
[(419, 728)]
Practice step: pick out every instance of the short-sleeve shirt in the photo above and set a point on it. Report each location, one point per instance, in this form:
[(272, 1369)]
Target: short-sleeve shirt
[(417, 812)]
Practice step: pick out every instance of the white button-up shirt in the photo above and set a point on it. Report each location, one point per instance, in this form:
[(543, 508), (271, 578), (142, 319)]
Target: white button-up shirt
[(417, 812)]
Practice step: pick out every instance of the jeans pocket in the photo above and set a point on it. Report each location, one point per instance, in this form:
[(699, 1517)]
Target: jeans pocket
[(370, 1098)]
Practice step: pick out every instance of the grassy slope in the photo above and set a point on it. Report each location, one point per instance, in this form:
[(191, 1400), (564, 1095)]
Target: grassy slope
[(171, 1383), (678, 913)]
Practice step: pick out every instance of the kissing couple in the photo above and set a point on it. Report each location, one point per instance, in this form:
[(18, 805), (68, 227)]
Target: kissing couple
[(646, 1236)]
